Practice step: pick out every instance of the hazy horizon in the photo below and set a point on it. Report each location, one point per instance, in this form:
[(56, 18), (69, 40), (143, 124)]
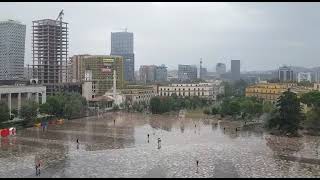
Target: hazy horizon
[(263, 36)]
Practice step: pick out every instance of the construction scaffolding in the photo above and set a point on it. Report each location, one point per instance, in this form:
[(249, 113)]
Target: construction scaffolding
[(50, 52)]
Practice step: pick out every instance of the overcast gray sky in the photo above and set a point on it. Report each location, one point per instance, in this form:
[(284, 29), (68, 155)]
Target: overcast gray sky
[(262, 35)]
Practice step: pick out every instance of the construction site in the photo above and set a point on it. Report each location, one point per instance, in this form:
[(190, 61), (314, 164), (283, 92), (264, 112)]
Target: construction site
[(50, 52)]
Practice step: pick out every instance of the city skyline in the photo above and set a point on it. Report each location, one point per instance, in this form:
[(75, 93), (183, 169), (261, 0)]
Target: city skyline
[(263, 36)]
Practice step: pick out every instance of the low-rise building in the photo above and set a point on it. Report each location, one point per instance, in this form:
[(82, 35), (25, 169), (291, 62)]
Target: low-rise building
[(139, 94), (272, 91), (15, 95), (103, 103), (316, 86), (266, 91), (202, 90)]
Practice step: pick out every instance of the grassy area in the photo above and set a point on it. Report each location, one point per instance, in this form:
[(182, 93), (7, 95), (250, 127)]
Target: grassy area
[(196, 113)]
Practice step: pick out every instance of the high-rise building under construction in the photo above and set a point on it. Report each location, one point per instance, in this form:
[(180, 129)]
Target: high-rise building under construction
[(50, 52)]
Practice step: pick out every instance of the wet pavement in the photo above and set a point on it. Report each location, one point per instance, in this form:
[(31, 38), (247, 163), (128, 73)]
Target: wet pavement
[(122, 150)]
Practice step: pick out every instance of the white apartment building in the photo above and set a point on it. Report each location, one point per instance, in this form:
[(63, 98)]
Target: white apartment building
[(304, 76), (203, 90)]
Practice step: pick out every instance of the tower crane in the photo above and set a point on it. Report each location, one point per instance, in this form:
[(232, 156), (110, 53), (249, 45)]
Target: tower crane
[(60, 15)]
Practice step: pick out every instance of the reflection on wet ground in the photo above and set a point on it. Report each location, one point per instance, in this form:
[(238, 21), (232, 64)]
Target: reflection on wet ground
[(121, 149)]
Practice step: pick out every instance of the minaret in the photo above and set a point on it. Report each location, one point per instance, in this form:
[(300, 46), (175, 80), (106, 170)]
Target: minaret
[(200, 72), (114, 83)]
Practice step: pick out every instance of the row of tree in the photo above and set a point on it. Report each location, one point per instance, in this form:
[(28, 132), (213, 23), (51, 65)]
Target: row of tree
[(66, 105), (245, 107), (159, 105)]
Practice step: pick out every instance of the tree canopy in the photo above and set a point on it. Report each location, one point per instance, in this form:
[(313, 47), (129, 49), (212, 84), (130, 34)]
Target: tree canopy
[(4, 112), (288, 117), (29, 111), (64, 105)]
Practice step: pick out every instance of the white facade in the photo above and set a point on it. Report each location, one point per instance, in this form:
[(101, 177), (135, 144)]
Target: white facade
[(88, 87), (22, 92), (316, 86), (139, 96), (12, 47), (303, 76), (203, 90)]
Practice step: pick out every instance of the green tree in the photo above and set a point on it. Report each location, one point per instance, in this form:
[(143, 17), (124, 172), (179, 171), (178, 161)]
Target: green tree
[(4, 112), (289, 115), (206, 111), (214, 110), (234, 108), (312, 122), (72, 108), (312, 99), (64, 105), (115, 107), (267, 107), (29, 111), (228, 91), (155, 105)]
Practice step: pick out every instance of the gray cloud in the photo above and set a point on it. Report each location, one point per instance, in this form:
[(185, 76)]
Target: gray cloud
[(261, 35)]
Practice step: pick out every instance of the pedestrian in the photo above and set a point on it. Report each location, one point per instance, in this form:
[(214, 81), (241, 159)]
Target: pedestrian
[(39, 168), (197, 163), (77, 141), (148, 138), (114, 122), (36, 169), (159, 143), (195, 125)]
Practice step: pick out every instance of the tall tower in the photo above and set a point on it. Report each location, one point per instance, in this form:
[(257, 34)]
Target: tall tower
[(235, 69), (200, 70), (12, 47), (122, 44)]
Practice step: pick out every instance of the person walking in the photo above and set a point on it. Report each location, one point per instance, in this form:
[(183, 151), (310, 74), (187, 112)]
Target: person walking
[(36, 169), (159, 143), (77, 141), (114, 122), (197, 166), (148, 138), (39, 168)]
